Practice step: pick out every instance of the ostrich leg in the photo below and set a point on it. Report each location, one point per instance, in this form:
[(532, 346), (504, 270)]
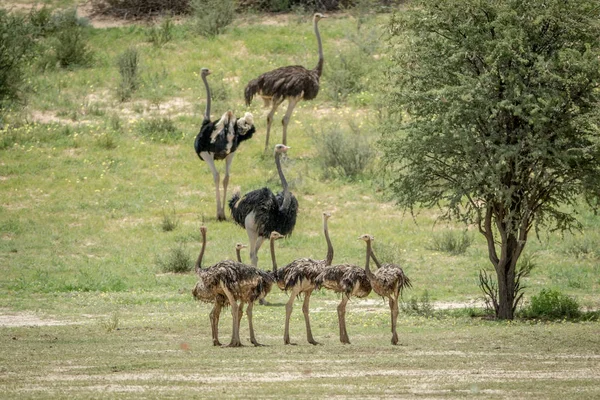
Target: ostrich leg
[(394, 312), (288, 312), (341, 309), (274, 105), (305, 310), (214, 323), (210, 160), (292, 101), (250, 325), (228, 161), (235, 334)]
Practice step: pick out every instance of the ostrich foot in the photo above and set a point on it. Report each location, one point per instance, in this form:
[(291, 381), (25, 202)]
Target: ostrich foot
[(263, 302), (314, 342), (234, 344), (395, 340), (217, 343), (221, 217), (286, 340), (256, 344)]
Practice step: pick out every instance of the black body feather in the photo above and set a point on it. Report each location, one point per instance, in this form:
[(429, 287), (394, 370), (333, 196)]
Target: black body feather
[(219, 147)]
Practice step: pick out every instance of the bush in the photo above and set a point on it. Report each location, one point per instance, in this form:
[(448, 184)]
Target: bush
[(16, 45), (344, 153), (416, 306), (128, 63), (161, 34), (211, 17), (552, 304), (177, 260), (159, 130), (451, 242), (140, 8)]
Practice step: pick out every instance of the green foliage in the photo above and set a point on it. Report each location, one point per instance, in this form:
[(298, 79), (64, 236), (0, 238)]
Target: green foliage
[(15, 50), (344, 153), (552, 304), (452, 242), (211, 17), (128, 63), (160, 34), (418, 306), (169, 221), (111, 323), (159, 130), (177, 260)]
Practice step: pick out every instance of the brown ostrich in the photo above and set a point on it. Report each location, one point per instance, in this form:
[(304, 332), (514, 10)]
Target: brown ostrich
[(292, 83), (349, 280), (299, 278), (227, 283), (388, 281), (238, 249)]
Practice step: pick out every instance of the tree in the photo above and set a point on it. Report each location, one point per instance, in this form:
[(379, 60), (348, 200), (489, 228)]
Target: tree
[(493, 117)]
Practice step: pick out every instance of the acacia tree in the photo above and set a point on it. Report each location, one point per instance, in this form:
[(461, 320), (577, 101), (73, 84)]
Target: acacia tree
[(493, 117)]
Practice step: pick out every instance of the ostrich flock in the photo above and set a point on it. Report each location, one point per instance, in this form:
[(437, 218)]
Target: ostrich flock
[(269, 216)]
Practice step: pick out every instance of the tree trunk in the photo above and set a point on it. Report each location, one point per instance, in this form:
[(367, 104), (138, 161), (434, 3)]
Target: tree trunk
[(505, 270)]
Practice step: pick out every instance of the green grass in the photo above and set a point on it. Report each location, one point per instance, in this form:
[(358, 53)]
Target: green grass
[(82, 210)]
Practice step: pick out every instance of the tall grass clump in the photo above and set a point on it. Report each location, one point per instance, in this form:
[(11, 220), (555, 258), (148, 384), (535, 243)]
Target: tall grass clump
[(451, 242), (159, 130), (211, 17), (177, 260), (552, 304), (160, 34), (344, 153), (128, 63), (418, 306), (169, 221)]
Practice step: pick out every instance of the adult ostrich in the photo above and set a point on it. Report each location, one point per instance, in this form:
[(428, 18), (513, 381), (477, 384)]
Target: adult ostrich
[(299, 278), (292, 83), (262, 212), (388, 281), (349, 280), (226, 283), (218, 140)]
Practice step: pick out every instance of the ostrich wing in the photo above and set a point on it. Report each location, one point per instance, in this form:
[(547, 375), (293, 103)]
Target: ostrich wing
[(290, 81)]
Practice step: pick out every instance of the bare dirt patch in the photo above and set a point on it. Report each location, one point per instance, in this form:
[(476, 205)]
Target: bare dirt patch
[(14, 320)]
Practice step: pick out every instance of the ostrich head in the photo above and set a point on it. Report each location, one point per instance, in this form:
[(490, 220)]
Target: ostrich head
[(366, 237), (203, 230), (281, 148), (276, 235), (326, 214), (240, 246), (318, 16), (205, 72), (245, 123)]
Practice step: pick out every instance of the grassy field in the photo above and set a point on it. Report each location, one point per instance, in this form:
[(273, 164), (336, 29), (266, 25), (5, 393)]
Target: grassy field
[(86, 185)]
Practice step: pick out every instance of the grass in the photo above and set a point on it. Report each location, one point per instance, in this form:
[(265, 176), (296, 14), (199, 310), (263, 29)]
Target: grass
[(82, 223)]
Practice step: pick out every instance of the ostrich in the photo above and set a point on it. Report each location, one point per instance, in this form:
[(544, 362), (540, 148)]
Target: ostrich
[(349, 280), (262, 212), (292, 83), (219, 140), (238, 248), (226, 283), (388, 281), (299, 277)]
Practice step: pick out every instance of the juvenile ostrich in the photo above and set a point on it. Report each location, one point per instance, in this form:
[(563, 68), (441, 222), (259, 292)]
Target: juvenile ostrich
[(262, 212), (292, 83), (349, 280), (226, 283), (388, 281), (299, 278), (238, 248), (219, 140)]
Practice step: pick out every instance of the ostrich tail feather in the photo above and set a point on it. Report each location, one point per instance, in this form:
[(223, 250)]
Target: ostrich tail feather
[(250, 91)]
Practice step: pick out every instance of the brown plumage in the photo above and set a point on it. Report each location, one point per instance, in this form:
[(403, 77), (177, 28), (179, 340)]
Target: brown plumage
[(349, 280), (299, 277), (292, 83), (226, 283), (388, 281)]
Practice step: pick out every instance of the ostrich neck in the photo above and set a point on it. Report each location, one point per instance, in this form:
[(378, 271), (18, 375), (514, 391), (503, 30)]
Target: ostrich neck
[(286, 193), (207, 111), (374, 258), (367, 267), (273, 255), (319, 67), (329, 258), (198, 265), (239, 257)]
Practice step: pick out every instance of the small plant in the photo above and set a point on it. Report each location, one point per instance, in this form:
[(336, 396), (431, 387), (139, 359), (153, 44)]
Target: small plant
[(112, 323), (212, 16), (160, 34), (107, 141), (169, 221), (344, 153), (451, 242), (160, 130), (552, 304), (128, 63), (177, 260), (418, 306)]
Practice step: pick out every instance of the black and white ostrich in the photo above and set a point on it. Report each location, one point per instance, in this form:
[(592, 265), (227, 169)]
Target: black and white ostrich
[(299, 277), (349, 280), (292, 83), (388, 281), (218, 140), (227, 283), (262, 212)]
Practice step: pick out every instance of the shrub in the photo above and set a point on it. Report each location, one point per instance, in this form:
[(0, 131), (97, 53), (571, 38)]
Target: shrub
[(128, 63), (169, 221), (161, 34), (177, 260), (140, 8), (211, 17), (159, 130), (451, 242), (344, 153), (416, 306), (552, 304)]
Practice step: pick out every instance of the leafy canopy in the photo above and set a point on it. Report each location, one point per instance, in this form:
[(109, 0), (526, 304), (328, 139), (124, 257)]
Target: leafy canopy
[(494, 108)]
